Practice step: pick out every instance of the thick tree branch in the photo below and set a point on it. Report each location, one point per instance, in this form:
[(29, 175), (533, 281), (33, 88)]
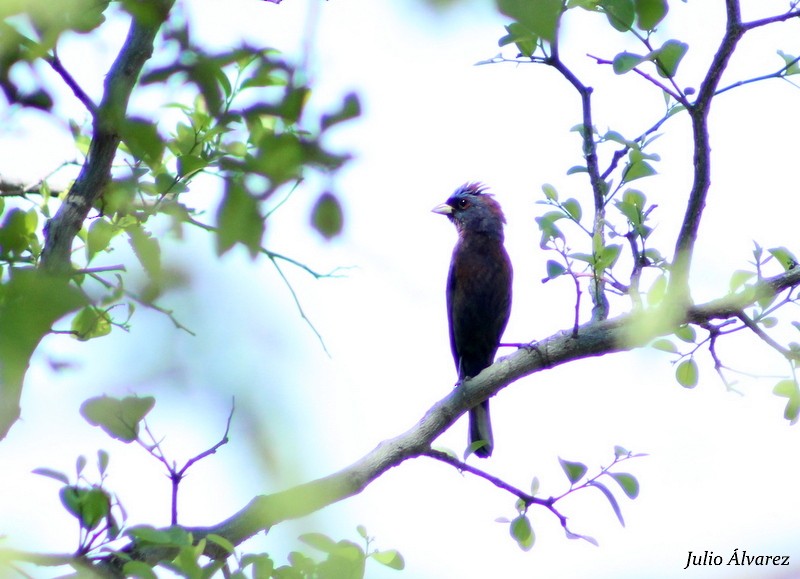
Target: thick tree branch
[(698, 112), (622, 333), (96, 171)]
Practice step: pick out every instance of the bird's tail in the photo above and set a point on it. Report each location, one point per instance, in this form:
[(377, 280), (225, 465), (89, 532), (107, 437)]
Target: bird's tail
[(480, 428)]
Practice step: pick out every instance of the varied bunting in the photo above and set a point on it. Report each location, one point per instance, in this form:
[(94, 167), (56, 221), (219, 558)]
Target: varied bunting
[(478, 293)]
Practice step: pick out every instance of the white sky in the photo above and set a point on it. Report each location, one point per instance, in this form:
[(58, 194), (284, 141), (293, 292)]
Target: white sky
[(721, 472)]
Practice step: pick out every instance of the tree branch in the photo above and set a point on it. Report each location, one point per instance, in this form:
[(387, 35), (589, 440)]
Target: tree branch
[(593, 339), (698, 113), (96, 171)]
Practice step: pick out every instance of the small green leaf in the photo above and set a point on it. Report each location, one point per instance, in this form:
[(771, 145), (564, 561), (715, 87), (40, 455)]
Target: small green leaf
[(687, 374), (789, 389), (362, 531), (53, 474), (146, 248), (540, 17), (656, 293), (665, 345), (573, 209), (739, 278), (327, 216), (620, 13), (628, 483), (351, 108), (534, 486), (573, 470), (650, 12), (785, 257), (239, 221), (620, 451), (138, 569), (637, 170), (550, 192), (91, 322), (99, 236), (626, 62), (119, 418), (390, 558), (554, 269), (687, 333), (319, 541), (143, 141), (791, 63), (669, 56), (522, 532), (80, 464), (222, 542), (102, 461)]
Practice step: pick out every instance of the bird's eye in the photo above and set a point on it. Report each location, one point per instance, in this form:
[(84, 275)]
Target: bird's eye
[(463, 203)]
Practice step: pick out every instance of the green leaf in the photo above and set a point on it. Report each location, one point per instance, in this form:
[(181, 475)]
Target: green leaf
[(611, 499), (540, 17), (189, 165), (146, 248), (53, 474), (607, 257), (524, 39), (739, 278), (351, 108), (665, 345), (90, 506), (687, 374), (785, 257), (686, 333), (16, 234), (138, 569), (100, 233), (119, 418), (791, 63), (91, 322), (650, 12), (573, 470), (534, 486), (573, 208), (635, 198), (550, 192), (577, 169), (620, 451), (554, 269), (222, 542), (669, 56), (102, 462), (637, 170), (239, 221), (80, 464), (620, 13), (171, 537), (789, 389), (390, 558), (522, 532), (630, 211), (32, 301), (143, 141), (657, 291), (626, 62), (327, 216), (628, 483), (319, 541)]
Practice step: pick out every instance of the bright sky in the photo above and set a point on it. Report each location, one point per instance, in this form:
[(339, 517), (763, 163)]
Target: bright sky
[(720, 473)]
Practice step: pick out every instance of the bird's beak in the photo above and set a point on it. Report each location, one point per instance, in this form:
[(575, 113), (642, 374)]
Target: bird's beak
[(443, 209)]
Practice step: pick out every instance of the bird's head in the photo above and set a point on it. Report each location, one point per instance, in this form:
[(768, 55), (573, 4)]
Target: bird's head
[(472, 209)]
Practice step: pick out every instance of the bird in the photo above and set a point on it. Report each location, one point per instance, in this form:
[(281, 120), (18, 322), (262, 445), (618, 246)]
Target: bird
[(478, 293)]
